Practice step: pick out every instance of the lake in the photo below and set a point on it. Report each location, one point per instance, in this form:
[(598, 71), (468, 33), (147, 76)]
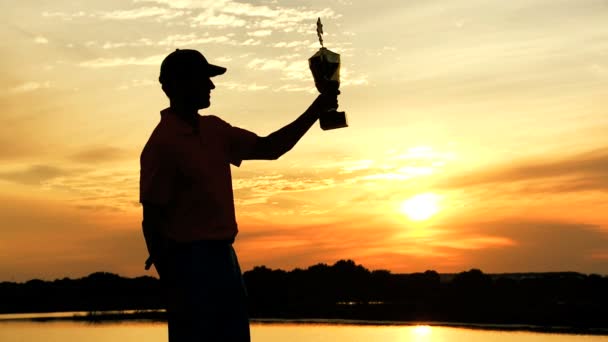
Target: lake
[(17, 328)]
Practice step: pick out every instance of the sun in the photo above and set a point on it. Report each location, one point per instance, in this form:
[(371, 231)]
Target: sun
[(421, 207)]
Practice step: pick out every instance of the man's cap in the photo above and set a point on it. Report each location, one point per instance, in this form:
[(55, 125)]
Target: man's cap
[(183, 63)]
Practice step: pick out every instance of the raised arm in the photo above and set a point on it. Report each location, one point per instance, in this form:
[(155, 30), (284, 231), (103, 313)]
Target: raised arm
[(278, 143)]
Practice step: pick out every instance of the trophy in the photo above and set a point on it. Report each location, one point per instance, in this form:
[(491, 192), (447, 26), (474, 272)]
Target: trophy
[(325, 68)]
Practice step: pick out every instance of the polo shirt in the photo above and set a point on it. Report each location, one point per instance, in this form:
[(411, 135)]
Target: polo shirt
[(188, 172)]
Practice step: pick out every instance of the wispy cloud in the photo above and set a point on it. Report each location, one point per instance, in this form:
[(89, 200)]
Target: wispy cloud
[(221, 14), (384, 176), (265, 186), (30, 86), (580, 172), (136, 84), (138, 13), (175, 41), (298, 44), (501, 246), (186, 4), (291, 71), (260, 33), (241, 87), (99, 154), (537, 245), (41, 40), (35, 174), (266, 64), (210, 18), (155, 13), (101, 188), (89, 186), (65, 15), (296, 88), (114, 62), (475, 242)]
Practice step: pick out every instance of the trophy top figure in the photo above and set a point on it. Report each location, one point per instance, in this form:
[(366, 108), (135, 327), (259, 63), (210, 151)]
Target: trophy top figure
[(320, 31)]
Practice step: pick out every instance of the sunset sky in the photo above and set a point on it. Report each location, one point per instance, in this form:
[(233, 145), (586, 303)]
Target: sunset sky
[(477, 139)]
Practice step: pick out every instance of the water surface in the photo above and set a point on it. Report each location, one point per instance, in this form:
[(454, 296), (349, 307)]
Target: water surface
[(130, 331)]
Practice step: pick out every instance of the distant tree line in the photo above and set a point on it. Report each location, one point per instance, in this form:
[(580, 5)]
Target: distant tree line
[(350, 291)]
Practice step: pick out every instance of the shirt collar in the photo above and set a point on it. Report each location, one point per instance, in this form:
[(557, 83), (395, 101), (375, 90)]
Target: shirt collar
[(171, 119)]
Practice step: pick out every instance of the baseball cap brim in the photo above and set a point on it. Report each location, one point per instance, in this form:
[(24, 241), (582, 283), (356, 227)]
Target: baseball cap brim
[(215, 70)]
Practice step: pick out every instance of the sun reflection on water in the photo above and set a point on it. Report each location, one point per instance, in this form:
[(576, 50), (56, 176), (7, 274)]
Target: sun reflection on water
[(421, 333)]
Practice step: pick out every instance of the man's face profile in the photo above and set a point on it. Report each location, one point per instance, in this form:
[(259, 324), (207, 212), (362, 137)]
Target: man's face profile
[(192, 91)]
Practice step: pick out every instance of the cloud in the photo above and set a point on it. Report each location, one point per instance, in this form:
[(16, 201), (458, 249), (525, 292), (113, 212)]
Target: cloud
[(475, 242), (223, 59), (68, 241), (209, 18), (138, 13), (186, 4), (137, 84), (537, 246), (64, 15), (262, 64), (294, 71), (258, 188), (35, 174), (110, 188), (191, 39), (157, 13), (30, 86), (220, 14), (293, 44), (297, 71), (175, 41), (347, 79), (295, 88), (299, 245), (580, 172), (41, 40), (260, 33), (103, 185), (242, 87), (100, 154), (380, 175), (115, 62), (500, 246)]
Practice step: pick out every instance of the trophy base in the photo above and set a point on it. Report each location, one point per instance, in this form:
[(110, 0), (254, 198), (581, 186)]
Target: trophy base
[(333, 120)]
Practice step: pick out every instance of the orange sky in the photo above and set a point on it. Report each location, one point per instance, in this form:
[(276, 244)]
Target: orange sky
[(497, 110)]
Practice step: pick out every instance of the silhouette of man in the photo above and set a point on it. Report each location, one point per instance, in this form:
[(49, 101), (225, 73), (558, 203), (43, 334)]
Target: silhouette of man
[(188, 208)]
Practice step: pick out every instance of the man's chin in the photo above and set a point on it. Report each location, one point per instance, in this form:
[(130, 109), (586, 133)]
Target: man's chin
[(204, 104)]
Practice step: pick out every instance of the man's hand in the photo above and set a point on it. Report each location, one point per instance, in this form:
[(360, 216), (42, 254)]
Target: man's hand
[(157, 248), (325, 102)]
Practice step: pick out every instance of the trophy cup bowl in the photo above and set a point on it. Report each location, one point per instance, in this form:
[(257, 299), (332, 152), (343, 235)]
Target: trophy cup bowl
[(325, 68)]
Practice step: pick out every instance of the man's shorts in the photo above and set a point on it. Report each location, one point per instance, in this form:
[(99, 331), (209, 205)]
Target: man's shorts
[(206, 293)]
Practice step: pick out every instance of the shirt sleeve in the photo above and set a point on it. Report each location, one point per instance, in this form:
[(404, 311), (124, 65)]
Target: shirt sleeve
[(157, 175), (242, 143)]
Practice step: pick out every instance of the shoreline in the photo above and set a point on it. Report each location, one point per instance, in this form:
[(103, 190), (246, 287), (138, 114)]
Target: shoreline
[(100, 317)]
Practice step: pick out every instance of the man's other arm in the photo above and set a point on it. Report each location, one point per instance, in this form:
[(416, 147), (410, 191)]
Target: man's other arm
[(154, 222), (278, 143)]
